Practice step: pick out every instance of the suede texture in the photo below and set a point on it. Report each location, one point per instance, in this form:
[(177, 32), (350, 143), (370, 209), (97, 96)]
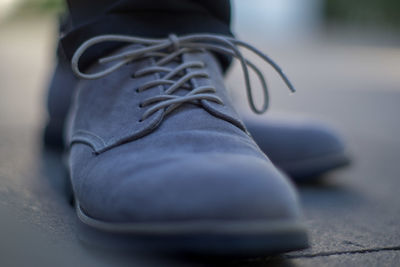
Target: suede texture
[(196, 163)]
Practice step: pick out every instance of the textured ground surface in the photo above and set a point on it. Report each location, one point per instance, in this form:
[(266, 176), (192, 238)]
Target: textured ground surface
[(353, 216)]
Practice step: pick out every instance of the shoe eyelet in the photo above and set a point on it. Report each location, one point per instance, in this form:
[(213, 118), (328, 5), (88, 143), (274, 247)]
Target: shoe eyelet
[(140, 105)]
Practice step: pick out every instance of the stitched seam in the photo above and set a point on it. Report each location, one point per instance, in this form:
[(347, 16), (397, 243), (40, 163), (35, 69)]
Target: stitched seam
[(89, 138), (84, 132)]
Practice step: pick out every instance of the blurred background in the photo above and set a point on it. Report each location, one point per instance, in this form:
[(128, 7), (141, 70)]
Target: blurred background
[(342, 56)]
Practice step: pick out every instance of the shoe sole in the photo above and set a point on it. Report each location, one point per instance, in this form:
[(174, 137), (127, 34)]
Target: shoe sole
[(212, 238), (311, 169)]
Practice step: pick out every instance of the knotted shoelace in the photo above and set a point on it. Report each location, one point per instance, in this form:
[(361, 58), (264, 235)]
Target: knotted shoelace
[(170, 49)]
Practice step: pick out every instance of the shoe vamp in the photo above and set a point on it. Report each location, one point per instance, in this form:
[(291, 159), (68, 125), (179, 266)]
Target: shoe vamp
[(188, 133), (107, 112), (190, 151)]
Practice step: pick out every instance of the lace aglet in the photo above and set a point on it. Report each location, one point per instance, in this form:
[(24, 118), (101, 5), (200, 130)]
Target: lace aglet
[(289, 85)]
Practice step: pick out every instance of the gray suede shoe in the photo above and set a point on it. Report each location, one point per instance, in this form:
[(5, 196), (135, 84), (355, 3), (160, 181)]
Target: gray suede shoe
[(158, 154)]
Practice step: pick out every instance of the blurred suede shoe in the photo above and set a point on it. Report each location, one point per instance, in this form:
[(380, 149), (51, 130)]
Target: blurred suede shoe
[(157, 152), (303, 148)]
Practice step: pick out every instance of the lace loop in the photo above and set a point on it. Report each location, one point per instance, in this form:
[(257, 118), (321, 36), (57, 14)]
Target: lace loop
[(179, 45)]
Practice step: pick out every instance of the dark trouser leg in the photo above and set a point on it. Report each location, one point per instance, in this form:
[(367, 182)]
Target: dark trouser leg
[(149, 18)]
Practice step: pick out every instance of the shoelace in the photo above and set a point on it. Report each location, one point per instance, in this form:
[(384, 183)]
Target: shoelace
[(179, 45)]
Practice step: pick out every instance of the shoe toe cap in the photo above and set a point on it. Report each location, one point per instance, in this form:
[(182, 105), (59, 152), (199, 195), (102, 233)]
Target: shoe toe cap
[(192, 187)]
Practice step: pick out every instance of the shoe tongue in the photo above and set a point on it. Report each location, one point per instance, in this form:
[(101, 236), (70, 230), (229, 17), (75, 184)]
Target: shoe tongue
[(106, 111), (172, 65), (226, 110)]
